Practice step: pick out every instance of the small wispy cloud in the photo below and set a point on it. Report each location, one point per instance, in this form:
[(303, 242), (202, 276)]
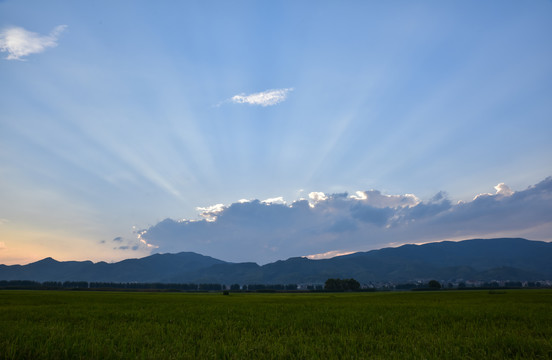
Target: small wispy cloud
[(126, 244), (18, 42), (263, 98)]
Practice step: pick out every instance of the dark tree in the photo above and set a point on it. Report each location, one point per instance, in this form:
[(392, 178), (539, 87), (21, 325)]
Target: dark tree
[(352, 285), (341, 285), (434, 284), (331, 284)]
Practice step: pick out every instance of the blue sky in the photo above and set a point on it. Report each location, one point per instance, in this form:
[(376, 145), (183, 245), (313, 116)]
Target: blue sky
[(115, 116)]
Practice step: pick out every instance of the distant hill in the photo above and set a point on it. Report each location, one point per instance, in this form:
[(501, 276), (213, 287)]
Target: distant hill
[(154, 268), (478, 259)]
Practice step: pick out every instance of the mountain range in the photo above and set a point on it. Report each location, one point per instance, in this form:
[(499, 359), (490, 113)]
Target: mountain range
[(511, 259)]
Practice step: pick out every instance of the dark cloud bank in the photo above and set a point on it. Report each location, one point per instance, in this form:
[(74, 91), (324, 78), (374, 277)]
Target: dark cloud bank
[(265, 231)]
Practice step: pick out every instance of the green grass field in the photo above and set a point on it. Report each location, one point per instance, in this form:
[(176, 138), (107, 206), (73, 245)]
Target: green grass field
[(399, 325)]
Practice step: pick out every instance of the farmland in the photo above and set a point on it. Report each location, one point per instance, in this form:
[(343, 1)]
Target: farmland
[(397, 325)]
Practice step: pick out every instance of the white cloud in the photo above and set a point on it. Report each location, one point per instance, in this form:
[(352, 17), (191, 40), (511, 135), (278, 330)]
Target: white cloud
[(501, 190), (334, 224), (18, 42), (264, 98), (274, 200), (376, 199), (317, 196), (209, 213), (359, 195)]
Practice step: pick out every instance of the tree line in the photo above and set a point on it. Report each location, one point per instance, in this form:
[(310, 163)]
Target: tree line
[(330, 285), (28, 284)]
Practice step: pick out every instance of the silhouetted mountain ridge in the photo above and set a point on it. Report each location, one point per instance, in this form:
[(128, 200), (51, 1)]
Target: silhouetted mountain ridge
[(478, 259)]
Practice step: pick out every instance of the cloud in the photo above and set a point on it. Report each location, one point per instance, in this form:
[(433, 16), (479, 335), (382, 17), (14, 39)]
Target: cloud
[(331, 224), (371, 214), (317, 196), (134, 244), (127, 247), (209, 213), (377, 199), (501, 190), (264, 98), (18, 42), (329, 254), (274, 200)]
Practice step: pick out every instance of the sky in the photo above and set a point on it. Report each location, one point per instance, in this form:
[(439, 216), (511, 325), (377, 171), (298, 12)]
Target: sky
[(257, 131)]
